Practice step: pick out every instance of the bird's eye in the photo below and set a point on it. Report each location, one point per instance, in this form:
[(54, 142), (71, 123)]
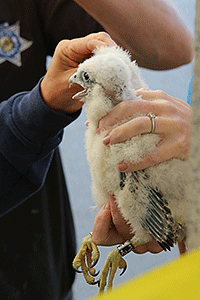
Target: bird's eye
[(86, 76)]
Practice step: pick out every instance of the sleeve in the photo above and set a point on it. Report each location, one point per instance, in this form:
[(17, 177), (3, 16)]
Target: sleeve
[(29, 134), (64, 19)]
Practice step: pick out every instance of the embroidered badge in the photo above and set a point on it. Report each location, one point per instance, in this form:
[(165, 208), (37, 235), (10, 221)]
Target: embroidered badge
[(12, 44)]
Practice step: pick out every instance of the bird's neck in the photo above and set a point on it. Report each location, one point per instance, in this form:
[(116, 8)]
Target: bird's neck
[(95, 112)]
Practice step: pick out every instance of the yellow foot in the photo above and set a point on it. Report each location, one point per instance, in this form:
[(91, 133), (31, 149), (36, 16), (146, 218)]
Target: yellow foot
[(88, 251), (113, 261)]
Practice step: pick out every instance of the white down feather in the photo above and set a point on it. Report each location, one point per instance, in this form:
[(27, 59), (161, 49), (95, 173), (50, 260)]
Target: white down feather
[(117, 79)]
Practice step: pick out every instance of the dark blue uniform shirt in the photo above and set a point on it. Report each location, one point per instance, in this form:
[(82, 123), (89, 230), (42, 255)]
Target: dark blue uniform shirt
[(37, 242)]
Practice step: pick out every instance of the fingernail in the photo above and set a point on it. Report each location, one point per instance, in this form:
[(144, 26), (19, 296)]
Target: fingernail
[(106, 140), (122, 166)]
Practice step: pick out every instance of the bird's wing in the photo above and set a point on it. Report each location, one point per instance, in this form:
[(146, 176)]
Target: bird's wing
[(157, 220)]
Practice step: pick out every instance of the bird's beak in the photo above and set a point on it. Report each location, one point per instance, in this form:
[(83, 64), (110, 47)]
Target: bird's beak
[(75, 79)]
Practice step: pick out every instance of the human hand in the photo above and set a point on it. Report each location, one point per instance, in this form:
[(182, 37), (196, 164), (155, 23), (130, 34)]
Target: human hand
[(110, 229), (67, 56), (105, 232), (172, 124)]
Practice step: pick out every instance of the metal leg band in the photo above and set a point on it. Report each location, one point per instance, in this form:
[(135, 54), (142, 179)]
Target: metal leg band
[(125, 248)]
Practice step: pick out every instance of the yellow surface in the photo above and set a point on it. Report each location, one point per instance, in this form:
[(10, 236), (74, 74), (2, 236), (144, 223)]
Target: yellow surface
[(178, 280)]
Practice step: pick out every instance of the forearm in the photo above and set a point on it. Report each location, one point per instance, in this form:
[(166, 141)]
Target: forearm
[(153, 31), (30, 132), (31, 123)]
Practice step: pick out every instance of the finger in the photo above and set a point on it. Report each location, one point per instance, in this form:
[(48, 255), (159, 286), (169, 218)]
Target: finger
[(123, 111), (182, 247), (101, 225), (126, 131), (152, 247), (104, 232), (127, 110), (86, 45), (120, 223), (147, 94), (77, 50), (161, 107), (162, 152), (103, 40), (143, 124), (103, 37), (115, 211)]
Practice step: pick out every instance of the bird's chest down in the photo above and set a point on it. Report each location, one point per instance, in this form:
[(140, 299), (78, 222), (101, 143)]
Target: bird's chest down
[(103, 160), (103, 165)]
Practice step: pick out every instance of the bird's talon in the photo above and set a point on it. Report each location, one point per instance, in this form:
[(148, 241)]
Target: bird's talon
[(94, 282), (94, 263), (124, 270), (78, 271), (95, 274), (84, 261)]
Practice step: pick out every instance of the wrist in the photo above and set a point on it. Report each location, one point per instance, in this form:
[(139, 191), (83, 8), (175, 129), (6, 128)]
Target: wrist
[(58, 96)]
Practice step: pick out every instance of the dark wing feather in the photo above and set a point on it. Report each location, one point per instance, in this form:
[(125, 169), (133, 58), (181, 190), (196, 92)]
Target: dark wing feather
[(158, 220)]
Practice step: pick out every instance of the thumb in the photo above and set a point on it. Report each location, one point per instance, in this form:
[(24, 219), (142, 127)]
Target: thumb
[(101, 226), (121, 225)]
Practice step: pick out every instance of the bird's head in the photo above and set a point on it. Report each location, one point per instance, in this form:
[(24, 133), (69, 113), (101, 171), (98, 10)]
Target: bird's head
[(84, 79), (106, 69)]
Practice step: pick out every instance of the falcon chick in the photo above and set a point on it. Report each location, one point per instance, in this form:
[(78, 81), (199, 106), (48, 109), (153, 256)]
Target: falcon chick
[(153, 200)]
